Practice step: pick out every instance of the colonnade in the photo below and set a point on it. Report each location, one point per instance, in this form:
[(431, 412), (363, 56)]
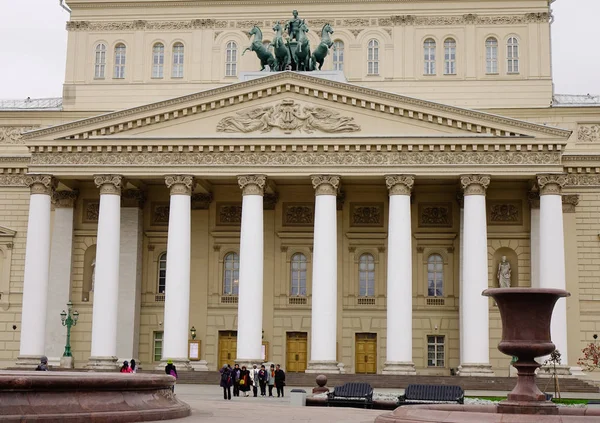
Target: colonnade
[(474, 309)]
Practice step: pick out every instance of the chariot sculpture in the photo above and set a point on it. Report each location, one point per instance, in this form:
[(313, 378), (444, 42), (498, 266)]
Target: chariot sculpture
[(290, 48)]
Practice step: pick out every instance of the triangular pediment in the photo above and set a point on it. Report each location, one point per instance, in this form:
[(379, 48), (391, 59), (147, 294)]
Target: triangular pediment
[(6, 233), (290, 104)]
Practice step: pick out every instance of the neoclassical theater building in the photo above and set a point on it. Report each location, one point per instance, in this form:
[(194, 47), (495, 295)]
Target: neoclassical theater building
[(343, 220)]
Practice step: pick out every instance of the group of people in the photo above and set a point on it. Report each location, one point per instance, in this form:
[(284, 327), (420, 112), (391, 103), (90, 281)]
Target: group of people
[(242, 380), (129, 367)]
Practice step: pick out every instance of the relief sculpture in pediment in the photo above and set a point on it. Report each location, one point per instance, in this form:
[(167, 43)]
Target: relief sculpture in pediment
[(288, 117)]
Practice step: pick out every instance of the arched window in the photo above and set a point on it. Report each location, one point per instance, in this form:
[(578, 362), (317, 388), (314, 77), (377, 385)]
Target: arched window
[(338, 55), (512, 55), (429, 56), (298, 276), (231, 274), (449, 56), (100, 61), (373, 57), (366, 275), (435, 276), (162, 273), (120, 61), (177, 61), (491, 55), (231, 59), (158, 60)]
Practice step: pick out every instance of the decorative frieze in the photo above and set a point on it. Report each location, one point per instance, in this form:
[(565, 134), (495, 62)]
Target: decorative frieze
[(109, 184), (252, 184), (366, 214), (229, 214), (570, 202), (64, 199), (583, 179), (13, 180), (201, 201), (551, 184), (505, 212), (41, 184), (270, 201), (325, 184), (133, 198), (474, 184), (435, 215), (298, 214), (399, 184), (180, 184), (160, 214), (91, 211), (13, 134), (585, 133)]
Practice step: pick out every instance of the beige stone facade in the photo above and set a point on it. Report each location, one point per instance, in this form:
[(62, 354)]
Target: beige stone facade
[(289, 126)]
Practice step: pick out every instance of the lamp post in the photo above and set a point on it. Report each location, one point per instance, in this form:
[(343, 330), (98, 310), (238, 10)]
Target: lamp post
[(193, 332), (69, 319)]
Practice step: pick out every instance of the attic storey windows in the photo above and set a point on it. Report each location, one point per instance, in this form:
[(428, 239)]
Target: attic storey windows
[(158, 61), (177, 61), (491, 56), (100, 61), (512, 55), (450, 56), (120, 51), (429, 56), (338, 55), (373, 57), (231, 59)]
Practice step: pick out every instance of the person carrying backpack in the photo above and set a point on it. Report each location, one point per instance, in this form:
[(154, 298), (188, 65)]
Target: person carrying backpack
[(226, 381), (171, 370)]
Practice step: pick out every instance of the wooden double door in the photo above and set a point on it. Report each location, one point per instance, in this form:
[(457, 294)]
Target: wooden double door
[(227, 347), (366, 353), (296, 357)]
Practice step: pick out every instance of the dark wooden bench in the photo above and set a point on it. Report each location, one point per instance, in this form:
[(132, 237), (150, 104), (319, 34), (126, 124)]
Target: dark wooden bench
[(432, 394), (351, 394)]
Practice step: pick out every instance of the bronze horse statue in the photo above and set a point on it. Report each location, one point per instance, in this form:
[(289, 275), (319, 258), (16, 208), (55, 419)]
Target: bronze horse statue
[(282, 53), (322, 49), (263, 53), (301, 56)]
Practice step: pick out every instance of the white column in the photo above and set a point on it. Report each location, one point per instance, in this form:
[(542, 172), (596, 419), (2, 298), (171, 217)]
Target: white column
[(59, 284), (106, 287), (250, 300), (130, 275), (461, 319), (399, 278), (476, 327), (552, 254), (323, 357), (534, 238), (177, 284), (35, 283)]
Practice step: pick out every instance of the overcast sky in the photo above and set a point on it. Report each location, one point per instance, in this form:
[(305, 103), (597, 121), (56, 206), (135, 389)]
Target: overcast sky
[(33, 47)]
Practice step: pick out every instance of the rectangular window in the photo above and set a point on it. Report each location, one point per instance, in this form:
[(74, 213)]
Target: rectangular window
[(450, 59), (435, 351), (158, 343)]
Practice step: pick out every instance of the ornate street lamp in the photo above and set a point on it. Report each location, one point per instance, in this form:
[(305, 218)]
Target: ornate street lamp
[(69, 319), (193, 332)]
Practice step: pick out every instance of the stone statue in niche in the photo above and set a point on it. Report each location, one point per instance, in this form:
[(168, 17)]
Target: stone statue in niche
[(504, 272), (93, 274)]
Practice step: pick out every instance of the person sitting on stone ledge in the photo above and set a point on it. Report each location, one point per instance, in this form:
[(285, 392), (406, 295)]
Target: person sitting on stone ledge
[(43, 366), (125, 367)]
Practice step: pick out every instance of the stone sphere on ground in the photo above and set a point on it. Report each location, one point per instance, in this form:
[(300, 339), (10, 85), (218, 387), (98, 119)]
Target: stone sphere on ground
[(321, 380)]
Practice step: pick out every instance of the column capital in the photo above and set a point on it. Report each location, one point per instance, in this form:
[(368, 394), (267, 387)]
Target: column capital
[(180, 184), (552, 183), (41, 184), (570, 202), (325, 184), (400, 184), (133, 198), (109, 184), (475, 184), (252, 184), (65, 199)]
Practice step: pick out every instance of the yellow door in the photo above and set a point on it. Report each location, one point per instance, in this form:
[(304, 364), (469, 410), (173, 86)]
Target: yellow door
[(296, 352), (227, 347), (366, 353)]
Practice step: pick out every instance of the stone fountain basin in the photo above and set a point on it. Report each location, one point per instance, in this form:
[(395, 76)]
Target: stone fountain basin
[(456, 413), (75, 397)]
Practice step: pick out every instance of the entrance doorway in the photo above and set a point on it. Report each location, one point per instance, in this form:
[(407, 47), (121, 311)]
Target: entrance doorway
[(366, 353), (227, 347), (296, 352)]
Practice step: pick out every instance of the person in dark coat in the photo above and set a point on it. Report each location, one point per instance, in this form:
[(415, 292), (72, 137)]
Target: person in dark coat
[(235, 376), (279, 380), (263, 376), (171, 370), (43, 366), (245, 381), (226, 381)]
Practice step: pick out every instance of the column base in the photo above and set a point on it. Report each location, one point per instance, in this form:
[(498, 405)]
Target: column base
[(562, 371), (181, 364), (325, 367), (199, 366), (399, 368), (67, 363), (28, 361), (102, 363), (478, 370)]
